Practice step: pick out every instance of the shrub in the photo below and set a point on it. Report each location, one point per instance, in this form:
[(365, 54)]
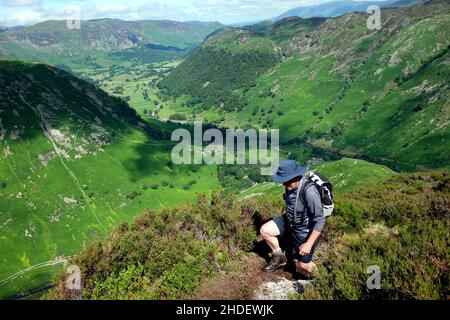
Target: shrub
[(187, 186), (126, 284), (133, 195), (154, 186), (396, 225), (177, 117), (144, 259), (165, 183), (400, 225)]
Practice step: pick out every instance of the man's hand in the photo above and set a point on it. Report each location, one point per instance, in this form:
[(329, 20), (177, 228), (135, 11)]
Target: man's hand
[(305, 248)]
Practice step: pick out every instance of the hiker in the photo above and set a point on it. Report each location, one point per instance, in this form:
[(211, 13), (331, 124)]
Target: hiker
[(301, 228)]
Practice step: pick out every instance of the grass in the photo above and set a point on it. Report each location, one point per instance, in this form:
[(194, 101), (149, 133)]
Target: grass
[(51, 210)]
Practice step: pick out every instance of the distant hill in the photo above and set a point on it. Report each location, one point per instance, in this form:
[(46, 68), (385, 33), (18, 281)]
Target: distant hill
[(331, 84), (337, 8), (104, 42)]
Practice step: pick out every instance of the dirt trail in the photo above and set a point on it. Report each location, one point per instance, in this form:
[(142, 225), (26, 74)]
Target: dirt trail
[(29, 269), (250, 283)]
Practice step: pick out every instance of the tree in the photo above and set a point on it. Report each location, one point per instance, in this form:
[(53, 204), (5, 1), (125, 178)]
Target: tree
[(154, 186), (165, 183), (187, 186), (178, 117)]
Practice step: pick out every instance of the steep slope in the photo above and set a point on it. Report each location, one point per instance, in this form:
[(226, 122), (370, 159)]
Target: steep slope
[(401, 226), (104, 42), (214, 71), (73, 163), (341, 87)]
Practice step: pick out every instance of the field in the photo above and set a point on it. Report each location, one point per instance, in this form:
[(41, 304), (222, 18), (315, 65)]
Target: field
[(135, 83)]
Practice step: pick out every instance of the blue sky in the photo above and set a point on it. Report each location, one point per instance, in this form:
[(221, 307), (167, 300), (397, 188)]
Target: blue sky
[(25, 12)]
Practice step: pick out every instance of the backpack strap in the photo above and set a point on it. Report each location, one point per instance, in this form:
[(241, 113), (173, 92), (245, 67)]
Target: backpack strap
[(301, 193)]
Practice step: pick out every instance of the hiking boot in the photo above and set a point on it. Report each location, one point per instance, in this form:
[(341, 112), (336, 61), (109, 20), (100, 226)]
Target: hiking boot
[(277, 261)]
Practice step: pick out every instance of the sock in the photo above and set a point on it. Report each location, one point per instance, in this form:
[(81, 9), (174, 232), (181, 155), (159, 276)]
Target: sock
[(278, 252)]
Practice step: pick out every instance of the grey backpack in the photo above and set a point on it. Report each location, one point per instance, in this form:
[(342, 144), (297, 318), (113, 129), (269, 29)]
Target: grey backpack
[(323, 186)]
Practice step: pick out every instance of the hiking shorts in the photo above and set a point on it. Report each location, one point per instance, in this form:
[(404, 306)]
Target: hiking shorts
[(292, 240)]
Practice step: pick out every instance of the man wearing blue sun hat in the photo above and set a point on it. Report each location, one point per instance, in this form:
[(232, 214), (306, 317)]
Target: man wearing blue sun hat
[(302, 223)]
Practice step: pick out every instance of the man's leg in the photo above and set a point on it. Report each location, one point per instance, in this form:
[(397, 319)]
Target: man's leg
[(308, 267), (270, 231)]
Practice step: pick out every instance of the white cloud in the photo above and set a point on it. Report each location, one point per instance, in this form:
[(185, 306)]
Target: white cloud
[(24, 17), (20, 3), (226, 11)]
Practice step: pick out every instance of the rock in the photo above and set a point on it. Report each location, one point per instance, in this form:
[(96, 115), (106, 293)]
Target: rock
[(280, 289), (2, 131), (70, 200), (46, 158)]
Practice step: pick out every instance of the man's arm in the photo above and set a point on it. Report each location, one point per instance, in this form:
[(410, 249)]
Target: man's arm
[(314, 204)]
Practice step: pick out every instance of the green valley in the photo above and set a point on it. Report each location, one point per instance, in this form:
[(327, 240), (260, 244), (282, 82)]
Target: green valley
[(331, 84), (74, 163), (87, 178)]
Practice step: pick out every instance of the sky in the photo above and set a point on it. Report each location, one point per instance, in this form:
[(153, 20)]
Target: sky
[(27, 12)]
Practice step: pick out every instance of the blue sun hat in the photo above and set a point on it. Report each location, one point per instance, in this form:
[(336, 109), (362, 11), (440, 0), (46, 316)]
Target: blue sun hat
[(288, 170)]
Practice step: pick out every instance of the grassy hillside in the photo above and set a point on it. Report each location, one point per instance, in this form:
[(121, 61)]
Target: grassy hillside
[(377, 94), (400, 225), (74, 162), (213, 72), (104, 42)]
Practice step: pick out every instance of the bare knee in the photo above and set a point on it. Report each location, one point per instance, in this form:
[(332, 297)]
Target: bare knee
[(264, 230), (269, 229)]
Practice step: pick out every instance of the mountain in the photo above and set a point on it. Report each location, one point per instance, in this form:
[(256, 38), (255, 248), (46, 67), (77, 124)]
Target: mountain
[(337, 8), (330, 84), (104, 42), (74, 162)]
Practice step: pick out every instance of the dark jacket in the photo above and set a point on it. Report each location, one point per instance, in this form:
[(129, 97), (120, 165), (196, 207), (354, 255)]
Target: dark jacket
[(305, 220)]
